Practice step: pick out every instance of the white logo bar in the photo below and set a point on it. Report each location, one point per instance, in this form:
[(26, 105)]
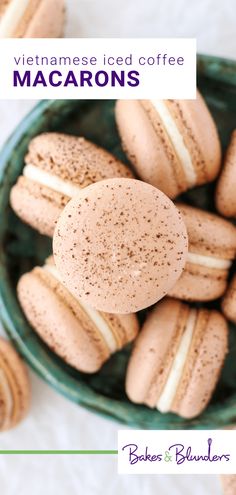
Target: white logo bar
[(177, 452), (98, 68)]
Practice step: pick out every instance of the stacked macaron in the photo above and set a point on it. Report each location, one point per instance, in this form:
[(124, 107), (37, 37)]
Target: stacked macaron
[(32, 18), (120, 245)]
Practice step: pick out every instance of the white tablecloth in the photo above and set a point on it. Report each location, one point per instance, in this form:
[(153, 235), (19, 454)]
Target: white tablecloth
[(55, 423)]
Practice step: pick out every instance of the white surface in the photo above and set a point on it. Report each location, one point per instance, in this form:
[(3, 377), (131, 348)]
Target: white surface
[(54, 422)]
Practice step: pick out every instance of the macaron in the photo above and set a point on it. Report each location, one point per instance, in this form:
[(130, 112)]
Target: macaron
[(228, 482), (226, 185), (14, 387), (212, 247), (177, 358), (57, 167), (120, 245), (32, 18), (81, 336), (172, 144), (229, 301)]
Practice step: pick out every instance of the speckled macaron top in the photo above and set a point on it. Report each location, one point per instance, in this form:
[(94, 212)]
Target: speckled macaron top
[(73, 159), (14, 387), (226, 186), (120, 245)]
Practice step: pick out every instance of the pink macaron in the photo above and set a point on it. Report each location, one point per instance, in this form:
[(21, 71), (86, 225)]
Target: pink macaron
[(120, 245), (212, 248), (57, 167), (32, 18), (177, 358), (172, 144), (81, 336)]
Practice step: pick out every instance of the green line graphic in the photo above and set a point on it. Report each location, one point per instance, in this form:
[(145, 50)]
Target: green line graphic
[(59, 452)]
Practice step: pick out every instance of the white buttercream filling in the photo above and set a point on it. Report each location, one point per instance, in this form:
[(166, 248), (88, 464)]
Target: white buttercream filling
[(54, 182), (7, 395), (94, 315), (177, 141), (208, 261), (168, 394), (12, 17)]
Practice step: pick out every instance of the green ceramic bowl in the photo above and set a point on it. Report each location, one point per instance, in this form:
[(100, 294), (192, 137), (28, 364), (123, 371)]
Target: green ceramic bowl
[(21, 248)]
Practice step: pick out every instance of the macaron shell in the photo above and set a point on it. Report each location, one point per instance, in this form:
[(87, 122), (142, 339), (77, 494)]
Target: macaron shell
[(36, 205), (225, 190), (228, 482), (120, 245), (174, 161), (65, 326), (148, 151), (125, 327), (229, 301), (74, 159), (56, 323), (156, 347), (3, 412), (154, 351), (17, 377), (208, 233), (26, 18), (3, 6), (212, 236), (199, 283), (47, 21), (205, 360)]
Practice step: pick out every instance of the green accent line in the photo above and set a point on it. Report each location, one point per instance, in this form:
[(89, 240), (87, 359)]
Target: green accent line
[(59, 452)]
